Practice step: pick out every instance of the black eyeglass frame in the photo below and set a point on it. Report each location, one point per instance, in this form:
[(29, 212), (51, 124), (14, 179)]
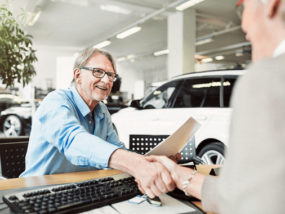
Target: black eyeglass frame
[(105, 72)]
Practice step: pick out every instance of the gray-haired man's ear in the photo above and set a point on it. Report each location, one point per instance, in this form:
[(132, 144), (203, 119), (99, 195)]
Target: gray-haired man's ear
[(77, 75)]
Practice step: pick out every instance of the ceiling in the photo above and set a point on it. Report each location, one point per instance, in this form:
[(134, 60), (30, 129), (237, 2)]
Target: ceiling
[(79, 24)]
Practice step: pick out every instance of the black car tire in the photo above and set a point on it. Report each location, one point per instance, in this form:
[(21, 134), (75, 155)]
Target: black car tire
[(12, 126), (213, 153)]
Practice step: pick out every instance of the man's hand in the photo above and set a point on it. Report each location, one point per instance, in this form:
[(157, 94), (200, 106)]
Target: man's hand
[(152, 177), (179, 174)]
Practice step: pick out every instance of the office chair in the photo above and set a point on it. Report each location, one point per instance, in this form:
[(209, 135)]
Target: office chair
[(144, 143), (12, 154)]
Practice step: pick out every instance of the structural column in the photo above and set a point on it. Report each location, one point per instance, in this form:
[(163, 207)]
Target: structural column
[(181, 42)]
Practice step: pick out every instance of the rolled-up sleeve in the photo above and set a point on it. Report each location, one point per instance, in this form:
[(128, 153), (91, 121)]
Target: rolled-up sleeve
[(210, 194)]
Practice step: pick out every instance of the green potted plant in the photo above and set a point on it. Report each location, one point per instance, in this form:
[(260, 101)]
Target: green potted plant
[(16, 53)]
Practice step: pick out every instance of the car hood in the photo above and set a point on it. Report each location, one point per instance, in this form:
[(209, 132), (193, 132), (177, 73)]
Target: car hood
[(125, 110), (21, 111)]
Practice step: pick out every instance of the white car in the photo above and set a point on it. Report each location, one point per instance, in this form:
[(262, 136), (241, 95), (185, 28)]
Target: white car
[(204, 96)]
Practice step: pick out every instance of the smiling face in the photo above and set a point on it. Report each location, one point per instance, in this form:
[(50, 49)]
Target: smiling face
[(92, 88)]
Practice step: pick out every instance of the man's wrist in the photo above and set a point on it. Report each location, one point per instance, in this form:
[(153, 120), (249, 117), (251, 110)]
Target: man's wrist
[(125, 161)]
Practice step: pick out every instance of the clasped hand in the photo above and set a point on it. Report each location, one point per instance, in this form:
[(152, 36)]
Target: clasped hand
[(155, 178)]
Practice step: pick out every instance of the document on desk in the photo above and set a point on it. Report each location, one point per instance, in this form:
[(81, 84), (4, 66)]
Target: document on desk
[(169, 205), (175, 142), (102, 210)]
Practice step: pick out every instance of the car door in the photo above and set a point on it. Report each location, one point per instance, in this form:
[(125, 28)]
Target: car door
[(198, 98), (145, 120), (221, 120)]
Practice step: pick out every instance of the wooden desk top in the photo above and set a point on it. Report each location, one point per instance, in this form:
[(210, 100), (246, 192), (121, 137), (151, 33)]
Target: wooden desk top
[(15, 183)]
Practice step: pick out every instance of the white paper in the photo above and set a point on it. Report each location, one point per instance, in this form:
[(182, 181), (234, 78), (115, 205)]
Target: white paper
[(102, 210), (175, 142), (169, 205)]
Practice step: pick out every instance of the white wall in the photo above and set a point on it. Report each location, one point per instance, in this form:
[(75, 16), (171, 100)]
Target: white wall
[(46, 67), (64, 71)]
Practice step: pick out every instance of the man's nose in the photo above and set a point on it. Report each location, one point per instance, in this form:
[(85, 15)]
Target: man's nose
[(105, 79)]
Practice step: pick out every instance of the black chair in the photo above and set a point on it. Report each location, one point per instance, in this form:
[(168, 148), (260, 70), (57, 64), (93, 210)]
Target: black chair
[(12, 153), (144, 143)]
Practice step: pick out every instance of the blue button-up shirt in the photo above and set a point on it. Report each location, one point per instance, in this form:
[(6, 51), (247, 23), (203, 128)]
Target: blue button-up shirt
[(63, 138)]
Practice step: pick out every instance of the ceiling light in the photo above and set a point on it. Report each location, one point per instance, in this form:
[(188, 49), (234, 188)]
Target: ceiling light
[(131, 56), (204, 41), (102, 44), (76, 54), (219, 57), (128, 32), (121, 59), (115, 9), (188, 4), (207, 60), (159, 53), (34, 17), (132, 60)]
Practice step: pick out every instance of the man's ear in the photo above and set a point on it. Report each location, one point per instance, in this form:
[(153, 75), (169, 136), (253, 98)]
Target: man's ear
[(273, 8), (77, 73)]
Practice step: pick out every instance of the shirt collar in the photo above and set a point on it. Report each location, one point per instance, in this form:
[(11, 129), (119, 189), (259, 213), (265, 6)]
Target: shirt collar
[(99, 110), (82, 106), (280, 49)]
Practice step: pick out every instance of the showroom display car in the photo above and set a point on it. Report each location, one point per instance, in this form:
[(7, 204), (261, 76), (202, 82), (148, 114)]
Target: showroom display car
[(205, 96), (16, 121)]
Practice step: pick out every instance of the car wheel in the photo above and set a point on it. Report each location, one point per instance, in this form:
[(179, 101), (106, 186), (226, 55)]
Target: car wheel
[(213, 154), (12, 126)]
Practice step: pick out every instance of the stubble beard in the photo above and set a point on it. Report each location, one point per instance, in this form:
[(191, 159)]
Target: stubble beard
[(92, 96)]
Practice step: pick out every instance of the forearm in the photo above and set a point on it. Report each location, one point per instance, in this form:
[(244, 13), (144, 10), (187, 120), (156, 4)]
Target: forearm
[(126, 161)]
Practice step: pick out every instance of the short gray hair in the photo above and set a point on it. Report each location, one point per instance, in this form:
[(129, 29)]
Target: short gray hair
[(83, 58)]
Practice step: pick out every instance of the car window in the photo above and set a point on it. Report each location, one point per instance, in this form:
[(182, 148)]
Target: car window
[(229, 84), (161, 97), (199, 92)]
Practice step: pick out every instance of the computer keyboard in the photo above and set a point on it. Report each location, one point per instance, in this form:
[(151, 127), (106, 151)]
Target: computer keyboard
[(75, 197)]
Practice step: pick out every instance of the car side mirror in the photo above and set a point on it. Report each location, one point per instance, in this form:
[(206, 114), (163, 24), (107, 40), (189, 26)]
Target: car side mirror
[(135, 104)]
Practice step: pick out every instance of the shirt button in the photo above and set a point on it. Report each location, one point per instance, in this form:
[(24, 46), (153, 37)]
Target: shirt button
[(89, 121)]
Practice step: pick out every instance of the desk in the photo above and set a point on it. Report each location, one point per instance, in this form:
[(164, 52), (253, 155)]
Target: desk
[(71, 178)]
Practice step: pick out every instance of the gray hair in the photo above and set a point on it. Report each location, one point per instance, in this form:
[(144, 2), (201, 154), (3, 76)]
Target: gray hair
[(83, 58)]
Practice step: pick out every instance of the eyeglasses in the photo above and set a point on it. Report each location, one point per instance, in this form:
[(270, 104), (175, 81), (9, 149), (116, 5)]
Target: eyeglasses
[(100, 73)]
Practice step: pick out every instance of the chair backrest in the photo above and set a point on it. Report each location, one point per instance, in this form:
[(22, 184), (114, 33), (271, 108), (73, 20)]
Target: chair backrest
[(12, 156), (144, 143)]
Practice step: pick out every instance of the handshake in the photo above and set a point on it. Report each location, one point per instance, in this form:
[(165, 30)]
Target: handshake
[(160, 174), (156, 175)]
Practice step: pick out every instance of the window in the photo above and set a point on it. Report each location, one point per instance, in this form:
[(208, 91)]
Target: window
[(200, 92), (229, 83), (161, 97)]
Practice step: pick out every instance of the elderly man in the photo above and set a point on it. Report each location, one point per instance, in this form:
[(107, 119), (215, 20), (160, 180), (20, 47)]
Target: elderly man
[(253, 178), (72, 130)]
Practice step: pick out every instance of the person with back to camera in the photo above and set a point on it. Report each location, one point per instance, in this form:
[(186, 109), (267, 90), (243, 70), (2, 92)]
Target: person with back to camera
[(72, 130), (252, 181)]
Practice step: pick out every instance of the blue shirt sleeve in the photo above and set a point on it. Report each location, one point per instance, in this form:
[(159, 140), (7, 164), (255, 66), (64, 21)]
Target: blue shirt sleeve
[(61, 126)]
